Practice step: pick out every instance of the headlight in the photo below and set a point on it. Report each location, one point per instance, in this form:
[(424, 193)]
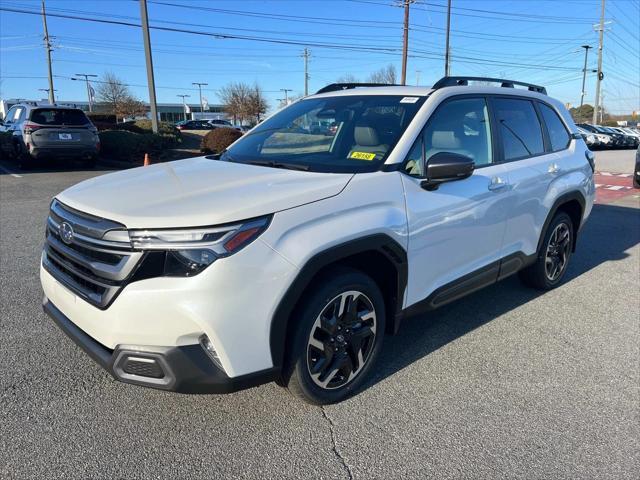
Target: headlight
[(186, 252)]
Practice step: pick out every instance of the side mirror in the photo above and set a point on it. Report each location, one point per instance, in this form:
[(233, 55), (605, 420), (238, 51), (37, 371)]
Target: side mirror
[(446, 167)]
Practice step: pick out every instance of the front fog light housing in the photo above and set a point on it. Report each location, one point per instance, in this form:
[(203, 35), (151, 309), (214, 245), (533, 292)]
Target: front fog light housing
[(187, 262), (208, 347)]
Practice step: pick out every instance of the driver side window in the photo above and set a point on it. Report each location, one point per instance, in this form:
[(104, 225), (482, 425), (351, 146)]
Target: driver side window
[(458, 126), (10, 114)]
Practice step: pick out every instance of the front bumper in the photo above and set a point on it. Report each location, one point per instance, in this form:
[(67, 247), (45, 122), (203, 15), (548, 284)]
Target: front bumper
[(183, 369)]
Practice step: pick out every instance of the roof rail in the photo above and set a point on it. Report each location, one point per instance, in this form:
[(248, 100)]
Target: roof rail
[(334, 87), (453, 81)]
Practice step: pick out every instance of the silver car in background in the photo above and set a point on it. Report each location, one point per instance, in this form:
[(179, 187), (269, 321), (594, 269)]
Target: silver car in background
[(47, 132)]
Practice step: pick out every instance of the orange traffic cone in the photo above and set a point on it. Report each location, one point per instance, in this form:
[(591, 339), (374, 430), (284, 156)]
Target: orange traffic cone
[(147, 161)]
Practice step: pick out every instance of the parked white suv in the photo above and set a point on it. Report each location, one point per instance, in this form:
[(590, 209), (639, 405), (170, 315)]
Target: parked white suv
[(288, 258)]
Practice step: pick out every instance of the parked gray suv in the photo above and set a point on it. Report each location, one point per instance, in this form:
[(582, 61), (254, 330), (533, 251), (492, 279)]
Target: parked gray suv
[(51, 131)]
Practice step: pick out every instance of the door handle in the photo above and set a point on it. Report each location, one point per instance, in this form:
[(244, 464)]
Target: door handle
[(497, 184), (554, 168)]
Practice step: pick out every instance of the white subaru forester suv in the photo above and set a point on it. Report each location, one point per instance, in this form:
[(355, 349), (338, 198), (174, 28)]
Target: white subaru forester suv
[(290, 256)]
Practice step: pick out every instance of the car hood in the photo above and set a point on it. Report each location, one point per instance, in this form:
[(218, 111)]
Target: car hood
[(198, 192)]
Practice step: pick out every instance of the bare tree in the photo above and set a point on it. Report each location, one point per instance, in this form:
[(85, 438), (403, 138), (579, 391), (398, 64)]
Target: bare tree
[(112, 92), (130, 107), (235, 96), (347, 78), (243, 101), (384, 75), (257, 104)]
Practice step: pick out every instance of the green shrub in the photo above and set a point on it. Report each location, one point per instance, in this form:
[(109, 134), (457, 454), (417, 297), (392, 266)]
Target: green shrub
[(144, 126), (131, 146), (102, 117), (103, 121), (218, 139)]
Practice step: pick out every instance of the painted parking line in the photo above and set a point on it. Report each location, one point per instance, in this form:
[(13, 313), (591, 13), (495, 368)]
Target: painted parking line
[(9, 172), (613, 186)]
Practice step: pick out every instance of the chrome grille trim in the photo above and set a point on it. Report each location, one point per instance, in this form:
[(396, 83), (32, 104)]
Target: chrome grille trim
[(93, 268)]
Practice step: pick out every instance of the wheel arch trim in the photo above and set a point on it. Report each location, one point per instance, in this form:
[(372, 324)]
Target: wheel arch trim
[(379, 243), (557, 204)]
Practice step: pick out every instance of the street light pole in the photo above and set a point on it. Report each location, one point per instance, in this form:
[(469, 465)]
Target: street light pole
[(86, 79), (200, 85), (147, 54), (184, 105)]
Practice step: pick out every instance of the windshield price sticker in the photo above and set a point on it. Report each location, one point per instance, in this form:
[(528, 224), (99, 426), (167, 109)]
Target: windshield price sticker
[(362, 155), (409, 100)]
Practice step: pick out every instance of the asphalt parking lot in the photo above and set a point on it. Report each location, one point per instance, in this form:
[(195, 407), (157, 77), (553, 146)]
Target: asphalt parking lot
[(506, 383)]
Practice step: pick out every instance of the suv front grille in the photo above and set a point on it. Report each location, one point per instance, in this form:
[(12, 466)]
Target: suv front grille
[(92, 267)]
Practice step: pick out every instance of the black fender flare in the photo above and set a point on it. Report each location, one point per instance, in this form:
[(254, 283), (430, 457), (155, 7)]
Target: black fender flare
[(561, 200), (381, 243)]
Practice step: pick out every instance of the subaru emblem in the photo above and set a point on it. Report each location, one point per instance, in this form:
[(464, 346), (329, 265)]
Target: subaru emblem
[(66, 232)]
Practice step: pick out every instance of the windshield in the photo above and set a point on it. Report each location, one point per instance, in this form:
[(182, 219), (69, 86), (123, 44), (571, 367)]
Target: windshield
[(342, 134), (58, 116)]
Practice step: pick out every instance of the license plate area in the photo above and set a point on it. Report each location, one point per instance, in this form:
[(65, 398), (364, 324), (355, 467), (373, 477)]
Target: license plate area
[(65, 136)]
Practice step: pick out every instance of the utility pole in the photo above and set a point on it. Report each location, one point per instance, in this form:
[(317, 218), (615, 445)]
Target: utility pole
[(89, 95), (418, 72), (306, 54), (184, 105), (600, 74), (286, 95), (200, 85), (405, 41), (447, 57), (147, 54), (47, 47), (601, 107), (584, 72)]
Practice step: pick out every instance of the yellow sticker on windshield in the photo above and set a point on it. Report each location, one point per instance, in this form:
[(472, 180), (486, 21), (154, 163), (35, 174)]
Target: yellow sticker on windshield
[(362, 155)]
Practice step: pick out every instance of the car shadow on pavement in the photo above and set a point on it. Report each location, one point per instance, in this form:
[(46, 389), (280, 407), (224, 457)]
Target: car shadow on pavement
[(608, 234), (11, 168)]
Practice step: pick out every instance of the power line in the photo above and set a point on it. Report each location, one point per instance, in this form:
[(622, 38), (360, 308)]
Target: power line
[(212, 34), (520, 17)]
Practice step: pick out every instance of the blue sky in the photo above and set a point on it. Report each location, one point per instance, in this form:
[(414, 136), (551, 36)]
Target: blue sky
[(531, 40)]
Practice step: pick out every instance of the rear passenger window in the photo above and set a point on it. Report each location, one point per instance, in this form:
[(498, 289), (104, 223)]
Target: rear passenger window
[(519, 128), (558, 135)]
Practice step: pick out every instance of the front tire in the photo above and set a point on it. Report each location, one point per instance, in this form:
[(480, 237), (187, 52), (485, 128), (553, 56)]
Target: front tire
[(553, 258), (338, 336)]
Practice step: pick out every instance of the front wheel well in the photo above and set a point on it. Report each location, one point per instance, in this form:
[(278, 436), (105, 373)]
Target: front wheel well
[(382, 259), (382, 271)]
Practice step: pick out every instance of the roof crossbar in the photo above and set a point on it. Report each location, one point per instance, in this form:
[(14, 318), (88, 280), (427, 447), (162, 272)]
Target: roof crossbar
[(456, 81), (347, 86)]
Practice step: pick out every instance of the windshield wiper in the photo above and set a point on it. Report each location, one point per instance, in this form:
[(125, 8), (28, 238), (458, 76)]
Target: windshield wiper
[(273, 164)]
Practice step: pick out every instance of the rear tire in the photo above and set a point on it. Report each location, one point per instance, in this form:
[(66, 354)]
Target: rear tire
[(337, 338), (553, 258), (24, 159)]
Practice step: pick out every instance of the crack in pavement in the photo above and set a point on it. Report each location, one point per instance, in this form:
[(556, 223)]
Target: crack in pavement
[(345, 465)]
